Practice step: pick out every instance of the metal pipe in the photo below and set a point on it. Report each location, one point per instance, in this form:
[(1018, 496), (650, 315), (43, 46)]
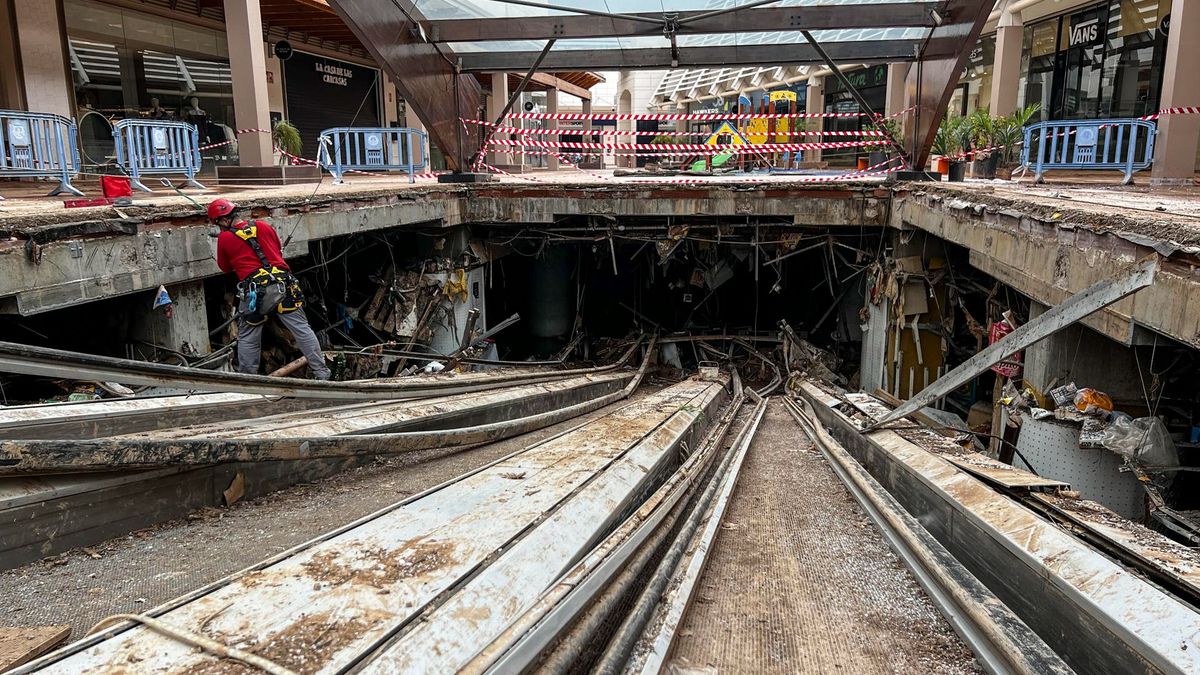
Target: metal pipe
[(1000, 640), (41, 361), (619, 648), (580, 606), (55, 456)]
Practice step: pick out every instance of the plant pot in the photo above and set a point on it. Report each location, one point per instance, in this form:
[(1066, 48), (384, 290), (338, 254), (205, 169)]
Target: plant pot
[(862, 164), (957, 172), (1004, 172), (942, 165), (876, 158)]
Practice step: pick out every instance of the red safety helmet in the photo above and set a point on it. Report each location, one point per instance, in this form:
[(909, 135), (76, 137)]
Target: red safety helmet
[(219, 208)]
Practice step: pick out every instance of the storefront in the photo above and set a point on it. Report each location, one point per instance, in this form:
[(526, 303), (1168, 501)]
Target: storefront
[(871, 83), (126, 63), (975, 85), (1105, 60), (129, 64), (323, 93)]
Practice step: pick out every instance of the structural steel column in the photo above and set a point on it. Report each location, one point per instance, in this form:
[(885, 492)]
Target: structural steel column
[(495, 105), (248, 68), (815, 103), (552, 107), (1179, 135), (42, 46), (1006, 70)]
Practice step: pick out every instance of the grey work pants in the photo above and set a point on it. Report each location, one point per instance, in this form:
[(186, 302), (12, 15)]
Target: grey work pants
[(249, 349)]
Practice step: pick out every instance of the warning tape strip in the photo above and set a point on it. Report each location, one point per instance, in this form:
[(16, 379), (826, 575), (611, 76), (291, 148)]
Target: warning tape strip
[(876, 170), (677, 149), (614, 132), (668, 117)]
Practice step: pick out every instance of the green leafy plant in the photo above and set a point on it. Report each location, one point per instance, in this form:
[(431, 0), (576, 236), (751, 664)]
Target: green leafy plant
[(947, 141), (983, 129), (1010, 130), (286, 137), (880, 143)]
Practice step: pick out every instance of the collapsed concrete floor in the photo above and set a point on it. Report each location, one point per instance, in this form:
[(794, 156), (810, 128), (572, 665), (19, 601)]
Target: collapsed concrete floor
[(837, 289)]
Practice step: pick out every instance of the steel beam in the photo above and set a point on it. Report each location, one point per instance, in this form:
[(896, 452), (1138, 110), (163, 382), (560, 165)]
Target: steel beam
[(424, 73), (376, 430), (866, 51), (932, 81), (566, 27), (40, 361), (1091, 299)]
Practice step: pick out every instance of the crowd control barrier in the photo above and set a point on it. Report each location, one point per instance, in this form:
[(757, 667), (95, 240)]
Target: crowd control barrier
[(1121, 144), (39, 145), (147, 147), (370, 149)]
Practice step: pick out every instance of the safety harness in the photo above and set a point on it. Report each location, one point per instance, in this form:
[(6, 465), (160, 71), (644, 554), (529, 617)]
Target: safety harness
[(269, 289)]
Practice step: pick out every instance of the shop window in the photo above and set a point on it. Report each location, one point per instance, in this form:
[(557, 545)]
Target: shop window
[(1083, 63), (131, 65), (1037, 65), (1132, 80), (975, 85)]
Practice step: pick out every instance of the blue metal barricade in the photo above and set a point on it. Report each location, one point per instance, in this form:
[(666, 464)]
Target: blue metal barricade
[(371, 149), (146, 147), (1118, 144), (39, 145)]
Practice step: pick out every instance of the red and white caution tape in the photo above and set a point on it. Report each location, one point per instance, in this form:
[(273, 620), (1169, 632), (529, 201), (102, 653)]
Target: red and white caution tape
[(678, 148), (876, 170), (489, 167), (669, 117), (1184, 110), (518, 131)]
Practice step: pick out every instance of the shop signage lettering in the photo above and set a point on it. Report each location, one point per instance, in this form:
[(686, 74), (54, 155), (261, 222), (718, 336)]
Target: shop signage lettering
[(1165, 25), (332, 74), (1084, 33)]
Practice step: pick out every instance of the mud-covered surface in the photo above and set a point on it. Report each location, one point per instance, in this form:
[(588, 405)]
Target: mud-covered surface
[(1152, 547), (1139, 214), (800, 581), (149, 567)]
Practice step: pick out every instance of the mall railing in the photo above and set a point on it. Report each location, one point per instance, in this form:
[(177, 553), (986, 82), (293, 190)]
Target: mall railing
[(1115, 144), (147, 147), (371, 149), (39, 145)]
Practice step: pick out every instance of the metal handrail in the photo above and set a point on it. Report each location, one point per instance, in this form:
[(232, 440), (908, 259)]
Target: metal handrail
[(39, 145), (369, 149), (1125, 145)]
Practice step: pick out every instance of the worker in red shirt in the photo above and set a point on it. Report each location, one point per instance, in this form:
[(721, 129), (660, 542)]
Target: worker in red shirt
[(251, 251)]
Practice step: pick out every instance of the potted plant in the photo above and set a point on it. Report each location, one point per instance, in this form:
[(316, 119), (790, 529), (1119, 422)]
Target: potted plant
[(945, 145), (1010, 131), (983, 129), (878, 151), (957, 137), (286, 137)]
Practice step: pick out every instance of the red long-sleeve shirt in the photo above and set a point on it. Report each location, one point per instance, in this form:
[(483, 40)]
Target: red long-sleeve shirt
[(235, 255)]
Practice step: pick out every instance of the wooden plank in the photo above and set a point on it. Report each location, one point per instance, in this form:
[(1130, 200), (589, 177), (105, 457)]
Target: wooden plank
[(24, 644)]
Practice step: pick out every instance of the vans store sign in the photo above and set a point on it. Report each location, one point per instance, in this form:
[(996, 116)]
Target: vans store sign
[(331, 74), (1084, 33)]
